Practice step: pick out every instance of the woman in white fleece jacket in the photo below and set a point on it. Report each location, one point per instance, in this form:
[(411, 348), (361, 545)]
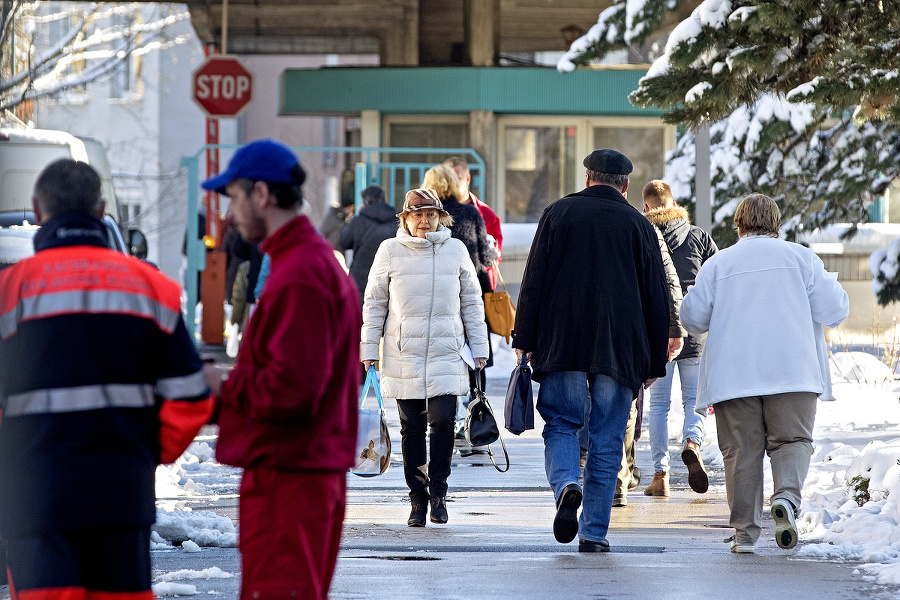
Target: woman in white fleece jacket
[(764, 302), (424, 299)]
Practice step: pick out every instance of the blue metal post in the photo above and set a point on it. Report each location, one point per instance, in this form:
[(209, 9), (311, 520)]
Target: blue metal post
[(194, 248), (876, 210), (361, 184)]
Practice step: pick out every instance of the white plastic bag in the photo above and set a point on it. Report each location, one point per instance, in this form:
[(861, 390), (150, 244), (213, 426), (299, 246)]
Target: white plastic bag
[(373, 441), (233, 339)]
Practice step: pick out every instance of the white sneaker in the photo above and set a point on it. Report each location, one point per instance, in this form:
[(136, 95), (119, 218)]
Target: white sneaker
[(785, 526), (742, 548)]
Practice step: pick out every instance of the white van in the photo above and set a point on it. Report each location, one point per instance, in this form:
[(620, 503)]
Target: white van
[(24, 153)]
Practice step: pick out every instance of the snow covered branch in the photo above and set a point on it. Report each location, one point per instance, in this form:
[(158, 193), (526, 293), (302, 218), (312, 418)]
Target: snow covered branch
[(57, 50)]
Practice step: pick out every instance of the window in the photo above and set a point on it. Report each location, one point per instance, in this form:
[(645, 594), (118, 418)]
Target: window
[(431, 132), (125, 75), (427, 135), (129, 201), (59, 27), (645, 146), (539, 165), (120, 81), (540, 157)]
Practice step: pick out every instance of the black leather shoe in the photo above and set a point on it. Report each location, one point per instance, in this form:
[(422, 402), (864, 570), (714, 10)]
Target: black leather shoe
[(417, 514), (565, 525), (438, 511), (589, 546)]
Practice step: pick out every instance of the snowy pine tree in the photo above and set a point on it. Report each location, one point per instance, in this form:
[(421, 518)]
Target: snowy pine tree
[(802, 98)]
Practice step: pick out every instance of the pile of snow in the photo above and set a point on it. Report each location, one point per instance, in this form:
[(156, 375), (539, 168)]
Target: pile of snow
[(851, 507), (166, 588), (195, 473), (170, 584), (206, 529), (188, 574), (859, 367)]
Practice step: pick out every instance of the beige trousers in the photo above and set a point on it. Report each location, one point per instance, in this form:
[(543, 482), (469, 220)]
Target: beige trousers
[(781, 426), (627, 468)]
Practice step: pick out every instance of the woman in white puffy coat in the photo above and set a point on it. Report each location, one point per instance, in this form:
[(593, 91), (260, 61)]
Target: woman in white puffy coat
[(424, 299)]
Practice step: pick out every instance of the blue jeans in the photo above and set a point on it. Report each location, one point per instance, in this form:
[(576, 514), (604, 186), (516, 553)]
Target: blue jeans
[(561, 406), (660, 400)]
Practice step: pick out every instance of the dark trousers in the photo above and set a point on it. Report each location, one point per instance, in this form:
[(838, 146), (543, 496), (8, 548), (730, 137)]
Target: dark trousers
[(108, 563), (423, 476)]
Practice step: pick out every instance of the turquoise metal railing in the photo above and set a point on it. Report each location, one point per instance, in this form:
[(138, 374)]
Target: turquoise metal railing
[(374, 168)]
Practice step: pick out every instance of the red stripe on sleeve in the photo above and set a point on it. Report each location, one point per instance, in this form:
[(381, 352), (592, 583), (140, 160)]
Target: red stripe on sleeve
[(180, 422)]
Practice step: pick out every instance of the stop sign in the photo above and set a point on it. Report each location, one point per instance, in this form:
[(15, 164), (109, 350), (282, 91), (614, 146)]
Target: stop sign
[(222, 86)]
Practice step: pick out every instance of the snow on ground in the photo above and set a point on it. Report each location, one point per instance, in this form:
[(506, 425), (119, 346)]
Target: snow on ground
[(851, 502), (170, 583), (167, 588), (194, 474), (188, 574)]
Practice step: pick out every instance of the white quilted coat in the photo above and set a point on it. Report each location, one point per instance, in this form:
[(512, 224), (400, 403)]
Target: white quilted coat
[(423, 297)]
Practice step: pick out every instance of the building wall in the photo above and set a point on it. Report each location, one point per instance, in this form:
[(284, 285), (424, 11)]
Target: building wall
[(146, 134), (261, 120)]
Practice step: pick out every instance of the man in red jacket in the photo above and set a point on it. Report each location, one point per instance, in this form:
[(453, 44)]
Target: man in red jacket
[(288, 409), (491, 220)]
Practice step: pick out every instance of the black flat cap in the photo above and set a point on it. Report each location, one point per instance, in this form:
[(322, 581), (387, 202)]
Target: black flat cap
[(608, 161)]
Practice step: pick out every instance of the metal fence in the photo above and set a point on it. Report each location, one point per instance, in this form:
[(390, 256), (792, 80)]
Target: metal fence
[(394, 169)]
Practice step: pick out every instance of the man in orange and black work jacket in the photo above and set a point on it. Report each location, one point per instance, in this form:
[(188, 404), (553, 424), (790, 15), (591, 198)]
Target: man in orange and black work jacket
[(99, 383)]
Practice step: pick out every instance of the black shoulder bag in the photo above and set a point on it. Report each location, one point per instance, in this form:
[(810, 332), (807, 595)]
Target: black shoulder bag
[(481, 426)]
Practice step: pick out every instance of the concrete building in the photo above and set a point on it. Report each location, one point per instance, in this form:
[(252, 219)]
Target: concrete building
[(143, 115), (448, 74)]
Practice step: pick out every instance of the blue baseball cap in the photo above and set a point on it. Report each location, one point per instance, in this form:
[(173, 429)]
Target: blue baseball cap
[(262, 160)]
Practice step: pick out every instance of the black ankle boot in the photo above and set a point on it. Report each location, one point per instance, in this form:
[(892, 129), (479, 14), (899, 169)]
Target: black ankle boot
[(438, 511), (417, 514)]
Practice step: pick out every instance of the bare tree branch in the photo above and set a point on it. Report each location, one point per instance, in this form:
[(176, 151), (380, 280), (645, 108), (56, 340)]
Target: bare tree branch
[(94, 40)]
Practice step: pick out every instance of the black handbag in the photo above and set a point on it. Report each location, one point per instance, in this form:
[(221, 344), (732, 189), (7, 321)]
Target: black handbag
[(481, 426), (519, 409)]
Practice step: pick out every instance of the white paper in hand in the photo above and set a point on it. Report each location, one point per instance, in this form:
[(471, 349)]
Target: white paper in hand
[(466, 354)]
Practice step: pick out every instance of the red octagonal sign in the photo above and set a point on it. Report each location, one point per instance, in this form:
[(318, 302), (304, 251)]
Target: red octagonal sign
[(222, 86)]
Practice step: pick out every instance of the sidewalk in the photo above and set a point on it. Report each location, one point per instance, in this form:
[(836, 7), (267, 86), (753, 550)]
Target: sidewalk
[(499, 541)]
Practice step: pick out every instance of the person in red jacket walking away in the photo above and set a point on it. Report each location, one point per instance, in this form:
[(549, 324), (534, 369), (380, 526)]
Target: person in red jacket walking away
[(495, 235), (288, 409), (491, 220), (99, 383)]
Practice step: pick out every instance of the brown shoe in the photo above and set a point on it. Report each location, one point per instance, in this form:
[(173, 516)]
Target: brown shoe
[(697, 477), (659, 486)]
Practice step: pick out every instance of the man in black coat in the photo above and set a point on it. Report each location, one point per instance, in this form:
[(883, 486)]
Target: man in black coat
[(376, 222), (593, 318)]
